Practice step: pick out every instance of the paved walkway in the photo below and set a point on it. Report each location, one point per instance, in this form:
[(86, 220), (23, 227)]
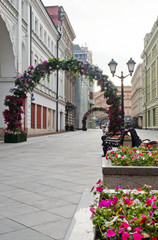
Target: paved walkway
[(42, 180)]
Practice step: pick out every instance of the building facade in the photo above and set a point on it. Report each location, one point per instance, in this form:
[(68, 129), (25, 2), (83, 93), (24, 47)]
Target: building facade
[(150, 79), (28, 37), (84, 89), (100, 101), (137, 97), (63, 24)]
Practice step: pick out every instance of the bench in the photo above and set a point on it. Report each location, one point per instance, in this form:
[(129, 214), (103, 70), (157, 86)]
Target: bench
[(108, 142)]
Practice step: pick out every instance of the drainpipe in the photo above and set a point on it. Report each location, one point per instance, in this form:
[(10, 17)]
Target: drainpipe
[(30, 35), (145, 90), (57, 87)]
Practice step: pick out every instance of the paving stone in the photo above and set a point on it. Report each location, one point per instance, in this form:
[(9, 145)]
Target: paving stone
[(7, 225), (65, 211), (26, 234), (56, 230), (36, 218)]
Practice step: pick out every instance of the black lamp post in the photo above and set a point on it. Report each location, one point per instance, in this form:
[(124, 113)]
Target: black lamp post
[(112, 64)]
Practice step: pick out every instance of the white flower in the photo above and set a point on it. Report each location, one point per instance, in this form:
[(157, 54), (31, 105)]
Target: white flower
[(107, 224)]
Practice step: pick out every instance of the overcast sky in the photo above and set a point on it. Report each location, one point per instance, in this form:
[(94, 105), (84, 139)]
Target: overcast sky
[(111, 29)]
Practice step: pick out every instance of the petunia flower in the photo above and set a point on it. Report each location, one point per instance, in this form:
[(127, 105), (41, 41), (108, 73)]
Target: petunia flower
[(92, 189), (154, 198), (92, 210), (137, 229), (99, 181), (125, 225), (114, 200), (105, 203), (154, 206), (137, 236), (125, 235), (110, 233), (99, 189), (148, 202)]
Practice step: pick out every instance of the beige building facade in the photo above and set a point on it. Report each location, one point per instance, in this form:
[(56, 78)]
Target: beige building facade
[(137, 97), (150, 79), (100, 101)]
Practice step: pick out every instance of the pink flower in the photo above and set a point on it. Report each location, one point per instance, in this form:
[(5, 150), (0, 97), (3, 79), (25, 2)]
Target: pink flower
[(99, 181), (92, 189), (92, 210), (121, 230), (125, 235), (137, 236), (150, 214), (154, 206), (125, 225), (148, 202), (114, 200), (110, 233), (105, 203), (138, 229), (154, 198), (117, 187), (99, 189)]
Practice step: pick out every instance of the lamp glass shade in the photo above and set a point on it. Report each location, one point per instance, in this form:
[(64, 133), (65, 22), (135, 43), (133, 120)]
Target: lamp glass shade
[(131, 63), (112, 65)]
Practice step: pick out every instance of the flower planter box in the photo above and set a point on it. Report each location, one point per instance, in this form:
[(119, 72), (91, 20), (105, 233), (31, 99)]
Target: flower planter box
[(15, 138), (127, 142), (134, 176)]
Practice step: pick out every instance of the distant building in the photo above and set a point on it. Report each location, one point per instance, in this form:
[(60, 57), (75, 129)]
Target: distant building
[(100, 101), (82, 53), (137, 96), (84, 88), (150, 78), (127, 101)]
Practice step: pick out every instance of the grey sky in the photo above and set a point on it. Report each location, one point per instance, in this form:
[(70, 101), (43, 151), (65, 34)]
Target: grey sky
[(111, 28)]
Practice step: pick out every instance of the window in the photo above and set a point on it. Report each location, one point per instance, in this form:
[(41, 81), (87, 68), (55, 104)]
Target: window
[(36, 25), (48, 42), (149, 118), (154, 117), (45, 37), (52, 47), (41, 32), (36, 60)]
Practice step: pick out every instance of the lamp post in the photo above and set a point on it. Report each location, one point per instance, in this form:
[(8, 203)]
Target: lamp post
[(112, 64)]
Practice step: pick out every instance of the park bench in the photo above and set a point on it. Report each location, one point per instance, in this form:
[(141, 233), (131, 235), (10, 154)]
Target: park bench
[(108, 142)]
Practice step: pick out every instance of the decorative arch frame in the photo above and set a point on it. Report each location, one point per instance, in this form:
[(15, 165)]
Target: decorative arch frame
[(94, 109), (102, 121), (26, 83)]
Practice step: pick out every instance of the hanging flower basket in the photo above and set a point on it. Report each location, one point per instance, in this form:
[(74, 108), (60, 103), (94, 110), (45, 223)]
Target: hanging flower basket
[(15, 138)]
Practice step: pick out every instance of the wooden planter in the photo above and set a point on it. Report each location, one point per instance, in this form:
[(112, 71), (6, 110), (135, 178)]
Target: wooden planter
[(134, 176), (15, 138)]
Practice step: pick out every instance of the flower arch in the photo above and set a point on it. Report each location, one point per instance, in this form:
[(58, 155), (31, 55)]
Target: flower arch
[(94, 109), (102, 121), (26, 83)]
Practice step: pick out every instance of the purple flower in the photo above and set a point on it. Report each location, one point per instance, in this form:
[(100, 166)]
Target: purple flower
[(105, 203), (150, 214)]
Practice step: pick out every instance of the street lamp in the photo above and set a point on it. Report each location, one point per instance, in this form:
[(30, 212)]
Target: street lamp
[(112, 64)]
